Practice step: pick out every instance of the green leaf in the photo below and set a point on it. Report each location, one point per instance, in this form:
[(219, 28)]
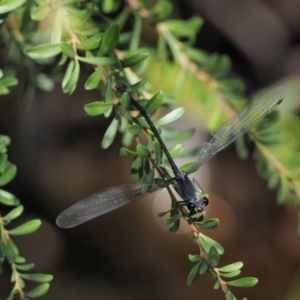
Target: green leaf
[(157, 152), (91, 43), (175, 216), (126, 152), (204, 267), (20, 260), (39, 291), (4, 90), (175, 149), (57, 28), (232, 267), (37, 277), (170, 117), (3, 159), (137, 85), (21, 283), (44, 51), (231, 274), (137, 169), (97, 108), (10, 5), (195, 258), (26, 228), (67, 49), (172, 219), (11, 251), (94, 79), (213, 256), (44, 82), (71, 77), (8, 174), (40, 12), (184, 28), (110, 40), (229, 296), (155, 102), (210, 224), (109, 99), (163, 213), (148, 178), (243, 282), (134, 129), (161, 10), (25, 267), (217, 284), (135, 59), (110, 134), (110, 6), (142, 151), (101, 61), (13, 214), (194, 274), (9, 81), (8, 199), (207, 243), (124, 102)]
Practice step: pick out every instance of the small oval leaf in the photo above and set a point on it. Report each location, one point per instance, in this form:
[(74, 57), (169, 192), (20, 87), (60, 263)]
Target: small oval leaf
[(8, 198), (134, 59), (142, 151), (213, 256), (13, 214), (210, 224), (194, 274), (25, 267), (155, 102), (26, 228), (195, 258), (110, 40), (170, 117), (10, 5), (110, 134), (91, 43), (243, 282), (134, 129), (137, 169), (37, 277), (101, 61), (8, 174), (97, 108), (40, 12), (40, 290), (231, 267), (43, 51), (67, 49), (207, 243), (94, 79)]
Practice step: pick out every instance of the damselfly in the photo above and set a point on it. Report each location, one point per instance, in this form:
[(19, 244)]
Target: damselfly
[(118, 196)]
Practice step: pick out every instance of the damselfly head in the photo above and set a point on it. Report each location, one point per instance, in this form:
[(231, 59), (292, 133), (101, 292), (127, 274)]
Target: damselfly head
[(199, 204)]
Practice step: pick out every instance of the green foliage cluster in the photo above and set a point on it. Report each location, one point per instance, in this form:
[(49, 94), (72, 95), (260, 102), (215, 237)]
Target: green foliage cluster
[(105, 37), (9, 251)]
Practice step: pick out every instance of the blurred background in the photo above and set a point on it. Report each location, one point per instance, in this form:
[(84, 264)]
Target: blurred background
[(128, 254)]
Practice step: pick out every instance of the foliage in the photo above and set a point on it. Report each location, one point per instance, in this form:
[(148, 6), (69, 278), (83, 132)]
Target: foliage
[(104, 37), (8, 249)]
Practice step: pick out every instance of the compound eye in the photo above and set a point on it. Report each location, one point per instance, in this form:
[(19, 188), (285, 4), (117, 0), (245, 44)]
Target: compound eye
[(191, 206), (205, 200)]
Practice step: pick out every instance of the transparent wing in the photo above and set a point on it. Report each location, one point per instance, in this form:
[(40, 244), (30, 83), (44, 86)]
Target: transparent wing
[(105, 201), (242, 122)]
